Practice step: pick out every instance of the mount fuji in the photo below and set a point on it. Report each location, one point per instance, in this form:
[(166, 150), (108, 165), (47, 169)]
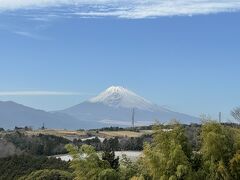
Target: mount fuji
[(114, 107)]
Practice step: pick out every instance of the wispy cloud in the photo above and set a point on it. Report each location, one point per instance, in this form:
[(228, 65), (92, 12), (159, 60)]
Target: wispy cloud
[(41, 93), (123, 8), (30, 35), (32, 32)]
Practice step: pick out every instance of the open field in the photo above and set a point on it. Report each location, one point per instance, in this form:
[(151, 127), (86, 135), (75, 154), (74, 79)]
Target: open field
[(109, 134), (71, 134), (57, 132)]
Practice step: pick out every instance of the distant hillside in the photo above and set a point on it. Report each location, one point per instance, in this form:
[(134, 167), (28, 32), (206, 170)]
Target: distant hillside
[(13, 114)]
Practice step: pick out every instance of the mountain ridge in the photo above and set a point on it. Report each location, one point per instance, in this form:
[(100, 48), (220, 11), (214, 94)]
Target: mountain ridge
[(14, 114)]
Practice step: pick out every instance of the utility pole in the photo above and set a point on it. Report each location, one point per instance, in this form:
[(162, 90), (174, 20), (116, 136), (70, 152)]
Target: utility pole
[(133, 118)]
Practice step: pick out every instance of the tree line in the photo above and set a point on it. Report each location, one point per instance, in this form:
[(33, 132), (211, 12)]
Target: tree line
[(38, 144), (116, 144), (34, 167)]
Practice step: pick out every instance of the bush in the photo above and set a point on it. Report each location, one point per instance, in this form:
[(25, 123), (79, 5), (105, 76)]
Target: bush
[(47, 174), (38, 145), (12, 168)]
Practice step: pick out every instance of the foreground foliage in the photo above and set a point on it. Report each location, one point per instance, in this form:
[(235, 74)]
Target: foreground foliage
[(170, 156), (12, 168), (88, 165), (209, 152), (47, 174)]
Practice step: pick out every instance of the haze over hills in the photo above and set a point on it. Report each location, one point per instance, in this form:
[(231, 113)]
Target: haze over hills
[(13, 114), (112, 107)]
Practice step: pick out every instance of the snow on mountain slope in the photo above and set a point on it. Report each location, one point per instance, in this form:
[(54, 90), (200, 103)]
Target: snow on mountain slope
[(117, 96)]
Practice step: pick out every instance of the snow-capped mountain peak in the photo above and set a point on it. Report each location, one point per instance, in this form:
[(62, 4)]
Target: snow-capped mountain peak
[(113, 107), (117, 96)]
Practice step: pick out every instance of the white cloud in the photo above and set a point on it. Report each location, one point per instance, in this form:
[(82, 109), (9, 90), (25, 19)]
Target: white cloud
[(40, 93), (124, 8)]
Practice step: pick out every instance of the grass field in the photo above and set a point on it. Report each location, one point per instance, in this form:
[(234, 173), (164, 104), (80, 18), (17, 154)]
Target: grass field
[(109, 134), (119, 134), (70, 134), (57, 132)]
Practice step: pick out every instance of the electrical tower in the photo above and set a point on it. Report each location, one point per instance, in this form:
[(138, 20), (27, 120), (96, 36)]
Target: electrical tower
[(133, 118), (220, 117), (43, 127)]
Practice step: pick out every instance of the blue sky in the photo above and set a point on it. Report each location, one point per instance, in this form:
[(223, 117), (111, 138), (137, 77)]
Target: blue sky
[(185, 60)]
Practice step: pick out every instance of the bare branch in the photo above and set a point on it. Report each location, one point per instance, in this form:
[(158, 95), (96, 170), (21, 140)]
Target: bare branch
[(236, 113)]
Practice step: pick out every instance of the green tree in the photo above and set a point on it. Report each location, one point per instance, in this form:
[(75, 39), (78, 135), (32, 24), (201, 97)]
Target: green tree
[(48, 175), (167, 156), (217, 142), (109, 156), (14, 167), (220, 151), (128, 169), (111, 144), (218, 147), (108, 174), (235, 166), (87, 165)]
